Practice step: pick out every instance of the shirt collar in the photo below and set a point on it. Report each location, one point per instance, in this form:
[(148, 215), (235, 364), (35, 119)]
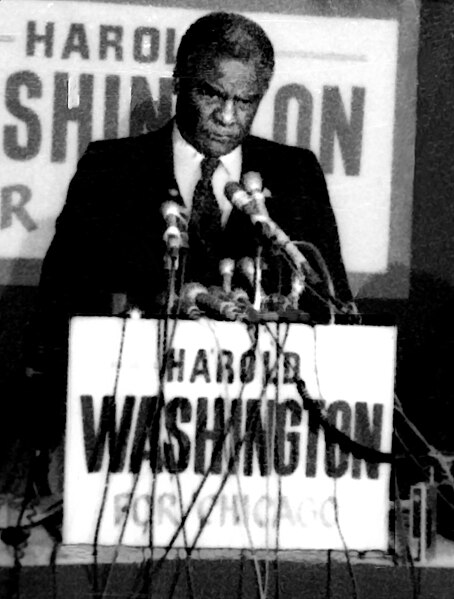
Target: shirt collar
[(185, 152)]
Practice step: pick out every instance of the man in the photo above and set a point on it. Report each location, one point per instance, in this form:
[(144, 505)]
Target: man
[(109, 236)]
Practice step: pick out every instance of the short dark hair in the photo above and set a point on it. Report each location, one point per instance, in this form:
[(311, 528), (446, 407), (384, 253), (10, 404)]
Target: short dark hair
[(226, 35)]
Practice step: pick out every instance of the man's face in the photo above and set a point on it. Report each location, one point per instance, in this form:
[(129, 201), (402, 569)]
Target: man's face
[(215, 109)]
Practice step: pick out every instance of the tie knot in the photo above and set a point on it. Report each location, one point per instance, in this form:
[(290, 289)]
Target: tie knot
[(208, 166)]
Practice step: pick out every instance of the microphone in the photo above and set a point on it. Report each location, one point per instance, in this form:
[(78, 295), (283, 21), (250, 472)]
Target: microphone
[(226, 268), (241, 298), (254, 186), (239, 197), (197, 297), (247, 312), (252, 272), (171, 211), (297, 290)]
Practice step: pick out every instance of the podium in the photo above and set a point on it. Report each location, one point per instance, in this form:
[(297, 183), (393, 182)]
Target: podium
[(208, 443)]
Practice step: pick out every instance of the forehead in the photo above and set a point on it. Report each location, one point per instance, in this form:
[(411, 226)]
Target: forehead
[(231, 74)]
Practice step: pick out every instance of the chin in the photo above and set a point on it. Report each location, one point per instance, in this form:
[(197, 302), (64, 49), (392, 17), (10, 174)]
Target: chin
[(215, 148)]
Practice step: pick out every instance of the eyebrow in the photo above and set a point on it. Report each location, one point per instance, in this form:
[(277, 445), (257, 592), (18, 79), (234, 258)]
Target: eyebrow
[(207, 87)]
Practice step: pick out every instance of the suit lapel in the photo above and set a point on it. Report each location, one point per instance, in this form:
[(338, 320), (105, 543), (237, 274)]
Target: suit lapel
[(156, 160), (252, 156)]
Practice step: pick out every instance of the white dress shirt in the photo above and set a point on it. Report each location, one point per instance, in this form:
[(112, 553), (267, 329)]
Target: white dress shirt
[(186, 165)]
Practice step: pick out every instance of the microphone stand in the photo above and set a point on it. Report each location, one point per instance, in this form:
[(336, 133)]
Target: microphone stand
[(174, 258), (258, 299), (171, 264), (298, 285)]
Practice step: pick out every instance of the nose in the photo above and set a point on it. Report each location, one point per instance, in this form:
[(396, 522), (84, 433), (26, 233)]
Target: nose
[(227, 112)]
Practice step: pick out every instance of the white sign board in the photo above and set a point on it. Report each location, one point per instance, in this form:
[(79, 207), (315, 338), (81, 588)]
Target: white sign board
[(71, 72), (232, 452)]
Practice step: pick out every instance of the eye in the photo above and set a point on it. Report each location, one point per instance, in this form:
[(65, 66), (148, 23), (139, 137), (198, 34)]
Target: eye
[(245, 103), (208, 92)]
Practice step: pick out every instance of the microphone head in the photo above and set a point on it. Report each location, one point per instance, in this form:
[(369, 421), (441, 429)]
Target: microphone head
[(246, 265), (188, 300), (174, 214), (170, 208), (253, 182), (231, 188), (192, 290), (247, 311), (226, 267), (237, 195), (241, 297), (172, 235), (219, 293)]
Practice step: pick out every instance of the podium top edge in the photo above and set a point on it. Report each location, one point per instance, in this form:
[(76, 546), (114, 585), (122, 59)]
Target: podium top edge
[(378, 320)]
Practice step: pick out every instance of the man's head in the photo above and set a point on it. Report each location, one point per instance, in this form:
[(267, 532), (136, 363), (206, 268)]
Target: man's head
[(224, 64)]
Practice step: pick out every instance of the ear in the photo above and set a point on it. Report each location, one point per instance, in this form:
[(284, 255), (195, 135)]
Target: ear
[(176, 84)]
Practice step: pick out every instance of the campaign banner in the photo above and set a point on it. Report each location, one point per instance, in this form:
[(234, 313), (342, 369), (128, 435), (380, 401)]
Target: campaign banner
[(215, 447), (75, 71)]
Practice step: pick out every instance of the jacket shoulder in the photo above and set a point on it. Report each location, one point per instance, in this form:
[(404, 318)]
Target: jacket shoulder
[(260, 144), (278, 159), (122, 152), (273, 152)]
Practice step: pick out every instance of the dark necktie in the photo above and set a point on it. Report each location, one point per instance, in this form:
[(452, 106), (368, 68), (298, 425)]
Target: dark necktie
[(205, 222)]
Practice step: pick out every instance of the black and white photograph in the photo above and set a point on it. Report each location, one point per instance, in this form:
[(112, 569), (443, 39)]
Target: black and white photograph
[(226, 290)]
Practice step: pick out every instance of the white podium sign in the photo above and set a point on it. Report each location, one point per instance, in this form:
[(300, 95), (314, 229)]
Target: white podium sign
[(224, 444)]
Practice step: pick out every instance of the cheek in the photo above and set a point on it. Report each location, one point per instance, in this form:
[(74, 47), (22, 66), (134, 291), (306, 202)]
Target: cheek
[(204, 115), (246, 116), (194, 108)]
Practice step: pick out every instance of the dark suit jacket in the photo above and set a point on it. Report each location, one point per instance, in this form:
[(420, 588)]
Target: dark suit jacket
[(108, 240), (108, 236)]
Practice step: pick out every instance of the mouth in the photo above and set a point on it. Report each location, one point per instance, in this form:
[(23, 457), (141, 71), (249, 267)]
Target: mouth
[(220, 143), (222, 138)]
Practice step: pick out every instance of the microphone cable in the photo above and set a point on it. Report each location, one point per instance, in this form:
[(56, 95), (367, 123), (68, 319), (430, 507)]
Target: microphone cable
[(263, 588), (162, 374), (261, 591), (344, 543), (95, 583), (299, 264), (332, 433), (408, 557), (216, 450), (164, 347), (279, 510), (156, 415), (334, 305), (306, 403), (238, 446), (335, 500), (335, 435)]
